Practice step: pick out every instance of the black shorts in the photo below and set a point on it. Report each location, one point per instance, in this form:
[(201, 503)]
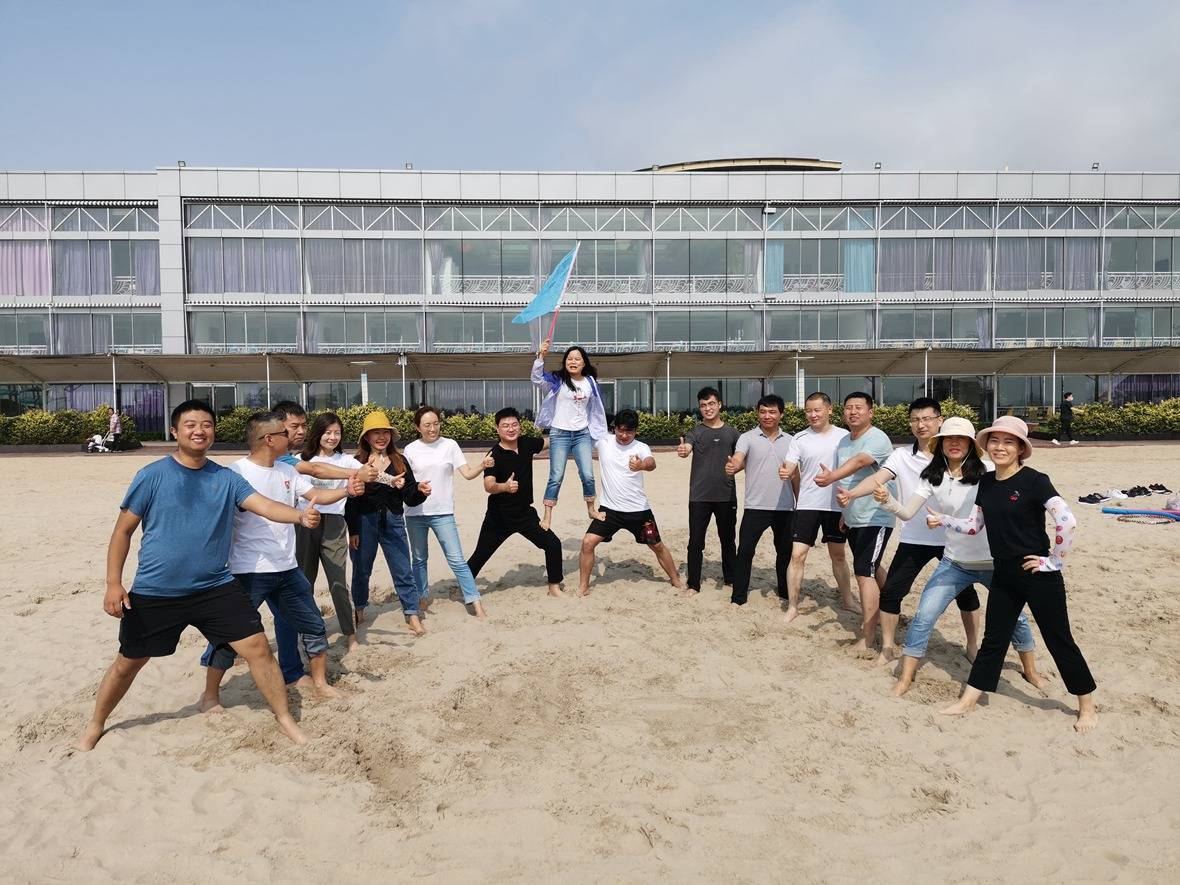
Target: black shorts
[(868, 546), (807, 525), (631, 522), (151, 628)]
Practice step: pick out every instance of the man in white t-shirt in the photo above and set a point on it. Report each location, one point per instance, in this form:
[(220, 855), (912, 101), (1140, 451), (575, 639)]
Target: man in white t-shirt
[(917, 544), (816, 512), (623, 504), (262, 555)]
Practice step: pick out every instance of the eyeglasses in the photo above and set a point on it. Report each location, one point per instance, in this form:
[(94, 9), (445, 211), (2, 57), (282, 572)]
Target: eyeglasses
[(926, 419), (285, 433)]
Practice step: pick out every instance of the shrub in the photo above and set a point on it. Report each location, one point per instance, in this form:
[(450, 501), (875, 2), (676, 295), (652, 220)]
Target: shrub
[(67, 426), (1133, 419)]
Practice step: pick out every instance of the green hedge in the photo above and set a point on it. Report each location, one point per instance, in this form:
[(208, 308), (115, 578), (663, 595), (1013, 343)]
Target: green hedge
[(1133, 419), (39, 428), (894, 420)]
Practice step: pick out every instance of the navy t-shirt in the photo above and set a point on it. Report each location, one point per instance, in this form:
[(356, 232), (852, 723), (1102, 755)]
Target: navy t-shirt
[(188, 522)]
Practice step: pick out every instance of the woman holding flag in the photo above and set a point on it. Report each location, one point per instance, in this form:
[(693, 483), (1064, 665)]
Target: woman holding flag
[(572, 408)]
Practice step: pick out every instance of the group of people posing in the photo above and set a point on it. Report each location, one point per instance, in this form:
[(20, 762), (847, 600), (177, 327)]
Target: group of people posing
[(218, 542)]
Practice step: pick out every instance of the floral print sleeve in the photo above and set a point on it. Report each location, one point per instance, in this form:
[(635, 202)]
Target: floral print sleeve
[(970, 525), (1064, 525)]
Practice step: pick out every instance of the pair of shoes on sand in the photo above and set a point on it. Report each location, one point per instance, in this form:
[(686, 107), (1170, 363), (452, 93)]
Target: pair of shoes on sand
[(1072, 442)]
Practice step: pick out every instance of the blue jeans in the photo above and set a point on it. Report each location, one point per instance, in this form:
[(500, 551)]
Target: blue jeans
[(944, 585), (387, 531), (561, 443), (447, 531), (290, 598)]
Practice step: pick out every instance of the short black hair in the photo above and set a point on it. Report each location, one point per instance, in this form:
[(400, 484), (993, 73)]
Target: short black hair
[(287, 407), (819, 394), (626, 419), (507, 412), (257, 420), (925, 402), (772, 399), (422, 411), (190, 405), (860, 394), (706, 392), (1067, 394)]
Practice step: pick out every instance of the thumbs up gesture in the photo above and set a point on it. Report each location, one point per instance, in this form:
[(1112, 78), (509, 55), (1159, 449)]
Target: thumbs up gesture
[(842, 497), (356, 485), (933, 518), (424, 488), (511, 486), (785, 471), (368, 473), (823, 479), (488, 461), (880, 493), (309, 518), (730, 466), (683, 450), (398, 481), (635, 463)]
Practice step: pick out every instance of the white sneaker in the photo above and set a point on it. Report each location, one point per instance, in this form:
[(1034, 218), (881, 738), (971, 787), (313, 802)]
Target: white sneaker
[(1056, 443), (1073, 442), (1115, 494)]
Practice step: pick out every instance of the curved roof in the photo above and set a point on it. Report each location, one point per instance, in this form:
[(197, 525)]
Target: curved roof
[(750, 164)]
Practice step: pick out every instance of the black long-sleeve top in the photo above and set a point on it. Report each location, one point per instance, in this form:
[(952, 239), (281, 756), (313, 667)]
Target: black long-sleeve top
[(378, 497)]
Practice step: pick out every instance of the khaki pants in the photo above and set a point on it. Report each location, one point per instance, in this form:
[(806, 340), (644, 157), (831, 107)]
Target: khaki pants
[(328, 543)]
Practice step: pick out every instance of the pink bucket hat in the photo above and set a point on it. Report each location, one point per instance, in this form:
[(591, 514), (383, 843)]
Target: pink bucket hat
[(1007, 424)]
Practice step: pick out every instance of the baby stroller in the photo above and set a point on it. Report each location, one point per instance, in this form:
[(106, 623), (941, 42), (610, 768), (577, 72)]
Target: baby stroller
[(98, 443)]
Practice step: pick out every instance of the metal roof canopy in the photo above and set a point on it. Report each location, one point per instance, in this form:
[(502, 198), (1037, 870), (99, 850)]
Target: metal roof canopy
[(197, 368)]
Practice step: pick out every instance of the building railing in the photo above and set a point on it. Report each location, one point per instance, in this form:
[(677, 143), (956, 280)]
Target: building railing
[(1139, 341), (718, 346), (711, 284), (372, 347), (844, 344), (923, 343), (1140, 280), (479, 347), (610, 285), (139, 349), (25, 349), (489, 285), (217, 349), (1005, 343), (833, 282)]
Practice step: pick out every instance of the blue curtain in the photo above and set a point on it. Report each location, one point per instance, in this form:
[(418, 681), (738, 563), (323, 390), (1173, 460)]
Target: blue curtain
[(774, 266), (860, 265)]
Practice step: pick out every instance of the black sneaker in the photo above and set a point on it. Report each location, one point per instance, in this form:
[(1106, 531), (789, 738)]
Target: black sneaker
[(1159, 487)]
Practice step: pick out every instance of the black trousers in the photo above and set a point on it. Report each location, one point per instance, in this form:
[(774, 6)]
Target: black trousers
[(699, 514), (1044, 593), (1066, 430), (754, 525), (498, 529), (908, 561)]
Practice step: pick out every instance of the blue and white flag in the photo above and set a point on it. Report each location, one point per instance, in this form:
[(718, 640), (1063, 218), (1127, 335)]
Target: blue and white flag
[(541, 313)]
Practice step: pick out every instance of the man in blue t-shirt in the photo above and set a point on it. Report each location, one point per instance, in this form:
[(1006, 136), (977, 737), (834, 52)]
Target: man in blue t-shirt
[(186, 504), (868, 524)]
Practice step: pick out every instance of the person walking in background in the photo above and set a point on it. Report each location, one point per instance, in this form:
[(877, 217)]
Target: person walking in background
[(435, 460), (817, 513), (573, 412), (770, 502), (115, 428), (712, 493), (376, 519), (1065, 416), (509, 484)]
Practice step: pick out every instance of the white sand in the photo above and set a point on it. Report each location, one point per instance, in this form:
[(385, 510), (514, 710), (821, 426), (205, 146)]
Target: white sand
[(631, 736)]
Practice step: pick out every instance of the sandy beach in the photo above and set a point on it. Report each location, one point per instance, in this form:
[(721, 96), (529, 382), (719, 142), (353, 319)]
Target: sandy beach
[(631, 736)]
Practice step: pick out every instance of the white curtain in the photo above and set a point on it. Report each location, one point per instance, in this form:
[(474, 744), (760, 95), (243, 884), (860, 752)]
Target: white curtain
[(253, 265), (231, 260), (971, 264), (281, 266), (1081, 263), (145, 264), (204, 266), (324, 265), (1011, 263), (71, 267), (897, 265), (403, 267), (72, 333)]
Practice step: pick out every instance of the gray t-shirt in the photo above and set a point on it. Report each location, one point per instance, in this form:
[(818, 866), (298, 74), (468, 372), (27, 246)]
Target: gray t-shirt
[(764, 490), (711, 447)]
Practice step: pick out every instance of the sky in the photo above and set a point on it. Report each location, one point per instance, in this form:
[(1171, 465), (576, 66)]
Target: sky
[(601, 85)]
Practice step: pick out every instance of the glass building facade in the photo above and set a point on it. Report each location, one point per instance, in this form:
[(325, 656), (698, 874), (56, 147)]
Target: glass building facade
[(221, 262)]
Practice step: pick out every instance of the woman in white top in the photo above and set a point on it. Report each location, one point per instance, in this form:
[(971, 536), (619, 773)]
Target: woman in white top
[(574, 415), (949, 483), (434, 459), (328, 542)]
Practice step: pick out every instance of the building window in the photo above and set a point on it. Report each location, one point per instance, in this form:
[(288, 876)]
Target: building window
[(242, 331), (106, 267), (133, 332), (24, 333), (234, 264), (24, 267)]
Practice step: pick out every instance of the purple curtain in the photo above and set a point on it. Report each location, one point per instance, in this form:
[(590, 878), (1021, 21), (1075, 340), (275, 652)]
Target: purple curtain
[(145, 264), (205, 276), (24, 267)]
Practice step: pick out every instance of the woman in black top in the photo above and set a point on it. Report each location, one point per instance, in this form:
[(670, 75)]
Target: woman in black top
[(1012, 503), (375, 519)]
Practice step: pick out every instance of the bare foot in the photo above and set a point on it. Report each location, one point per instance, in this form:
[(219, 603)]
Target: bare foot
[(584, 590), (290, 729), (689, 593), (555, 590), (792, 613), (733, 608), (597, 514), (887, 656), (415, 625), (1033, 678), (850, 605), (859, 646), (970, 652), (900, 687), (476, 608), (360, 616), (1087, 720), (961, 707), (424, 604), (353, 642), (210, 704), (325, 691), (89, 738), (304, 681)]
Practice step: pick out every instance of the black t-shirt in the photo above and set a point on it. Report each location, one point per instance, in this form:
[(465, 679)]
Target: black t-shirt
[(708, 480), (1014, 512), (519, 462)]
